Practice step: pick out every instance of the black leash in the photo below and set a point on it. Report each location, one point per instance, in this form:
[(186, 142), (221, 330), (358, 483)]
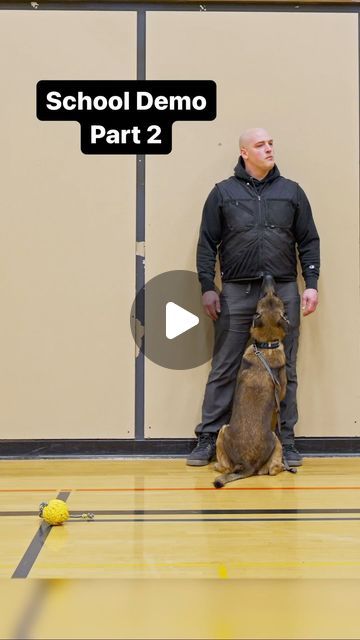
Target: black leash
[(276, 384)]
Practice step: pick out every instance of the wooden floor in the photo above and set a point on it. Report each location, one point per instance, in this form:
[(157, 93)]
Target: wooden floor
[(262, 558)]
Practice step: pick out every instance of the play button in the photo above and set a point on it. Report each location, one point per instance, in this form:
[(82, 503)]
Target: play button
[(169, 324), (178, 320)]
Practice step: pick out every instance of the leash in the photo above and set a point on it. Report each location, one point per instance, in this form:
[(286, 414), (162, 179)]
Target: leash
[(276, 384)]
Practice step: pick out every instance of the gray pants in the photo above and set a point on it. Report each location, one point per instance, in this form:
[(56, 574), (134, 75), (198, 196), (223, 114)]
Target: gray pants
[(231, 337)]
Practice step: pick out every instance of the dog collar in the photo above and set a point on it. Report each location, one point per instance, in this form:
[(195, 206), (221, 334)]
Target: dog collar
[(267, 345)]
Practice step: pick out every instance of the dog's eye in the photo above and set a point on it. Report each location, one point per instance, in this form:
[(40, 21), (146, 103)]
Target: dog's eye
[(284, 319), (257, 320)]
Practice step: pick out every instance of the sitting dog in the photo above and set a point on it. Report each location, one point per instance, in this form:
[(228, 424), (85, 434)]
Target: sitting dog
[(248, 445)]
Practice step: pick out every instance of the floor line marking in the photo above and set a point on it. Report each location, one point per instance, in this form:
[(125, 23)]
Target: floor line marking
[(29, 490), (214, 489), (178, 512), (213, 564), (97, 520), (32, 611), (29, 558), (143, 489)]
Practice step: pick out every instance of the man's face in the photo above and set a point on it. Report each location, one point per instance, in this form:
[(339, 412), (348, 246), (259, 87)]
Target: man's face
[(258, 152)]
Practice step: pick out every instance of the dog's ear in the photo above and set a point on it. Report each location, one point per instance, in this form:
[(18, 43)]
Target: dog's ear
[(257, 322)]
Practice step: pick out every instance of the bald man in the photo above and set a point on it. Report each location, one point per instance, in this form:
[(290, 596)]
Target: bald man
[(259, 222)]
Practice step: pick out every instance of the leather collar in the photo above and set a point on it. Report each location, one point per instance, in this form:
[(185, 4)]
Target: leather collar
[(267, 345)]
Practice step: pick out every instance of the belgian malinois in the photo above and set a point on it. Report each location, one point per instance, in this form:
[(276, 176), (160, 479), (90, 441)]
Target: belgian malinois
[(248, 445)]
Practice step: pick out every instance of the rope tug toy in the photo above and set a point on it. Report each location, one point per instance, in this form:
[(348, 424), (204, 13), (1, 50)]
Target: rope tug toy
[(55, 512)]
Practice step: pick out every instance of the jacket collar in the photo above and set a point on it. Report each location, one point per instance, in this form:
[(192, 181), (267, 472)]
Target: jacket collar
[(241, 173)]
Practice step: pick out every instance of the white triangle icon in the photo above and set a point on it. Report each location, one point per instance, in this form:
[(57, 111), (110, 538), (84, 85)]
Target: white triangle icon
[(178, 320)]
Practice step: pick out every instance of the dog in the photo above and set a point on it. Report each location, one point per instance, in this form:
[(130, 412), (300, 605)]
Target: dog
[(248, 445)]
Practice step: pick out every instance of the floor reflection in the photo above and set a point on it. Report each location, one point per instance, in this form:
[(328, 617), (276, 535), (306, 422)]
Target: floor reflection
[(76, 609)]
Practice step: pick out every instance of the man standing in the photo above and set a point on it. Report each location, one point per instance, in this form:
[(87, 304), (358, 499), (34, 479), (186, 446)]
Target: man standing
[(258, 221)]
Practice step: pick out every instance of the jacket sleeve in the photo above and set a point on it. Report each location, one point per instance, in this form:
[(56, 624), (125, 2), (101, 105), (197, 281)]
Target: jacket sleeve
[(209, 239), (307, 239)]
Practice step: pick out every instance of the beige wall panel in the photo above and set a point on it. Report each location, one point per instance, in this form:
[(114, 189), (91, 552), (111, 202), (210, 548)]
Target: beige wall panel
[(68, 237), (295, 74)]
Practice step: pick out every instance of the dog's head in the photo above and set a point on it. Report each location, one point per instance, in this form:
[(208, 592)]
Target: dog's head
[(270, 322)]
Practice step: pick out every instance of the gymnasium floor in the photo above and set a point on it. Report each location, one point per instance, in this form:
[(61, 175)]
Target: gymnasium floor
[(169, 556)]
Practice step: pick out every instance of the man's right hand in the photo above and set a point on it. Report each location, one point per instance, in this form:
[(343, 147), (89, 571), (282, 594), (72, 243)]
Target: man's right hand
[(211, 303)]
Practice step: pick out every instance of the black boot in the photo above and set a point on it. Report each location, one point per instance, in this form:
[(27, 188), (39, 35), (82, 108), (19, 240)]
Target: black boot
[(291, 454), (204, 451)]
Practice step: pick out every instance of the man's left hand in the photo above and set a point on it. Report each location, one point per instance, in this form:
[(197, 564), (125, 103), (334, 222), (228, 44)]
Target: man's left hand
[(309, 301)]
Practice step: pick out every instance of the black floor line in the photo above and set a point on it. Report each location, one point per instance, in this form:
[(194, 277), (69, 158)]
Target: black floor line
[(18, 513), (142, 520), (168, 512), (32, 610), (29, 558), (178, 512)]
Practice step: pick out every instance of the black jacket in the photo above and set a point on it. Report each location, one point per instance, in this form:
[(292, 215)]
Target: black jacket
[(255, 225)]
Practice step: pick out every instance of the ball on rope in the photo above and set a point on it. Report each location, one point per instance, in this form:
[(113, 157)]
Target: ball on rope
[(54, 512)]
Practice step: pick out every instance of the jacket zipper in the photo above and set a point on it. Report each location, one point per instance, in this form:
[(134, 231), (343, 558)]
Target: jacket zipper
[(261, 232), (261, 240)]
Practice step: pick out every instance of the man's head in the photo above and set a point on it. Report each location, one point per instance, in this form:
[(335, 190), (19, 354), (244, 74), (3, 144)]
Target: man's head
[(256, 149)]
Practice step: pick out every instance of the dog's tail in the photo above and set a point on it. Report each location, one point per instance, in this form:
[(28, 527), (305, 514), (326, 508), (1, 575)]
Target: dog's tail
[(220, 481)]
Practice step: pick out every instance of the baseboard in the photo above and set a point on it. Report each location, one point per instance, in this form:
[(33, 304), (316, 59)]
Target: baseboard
[(154, 447)]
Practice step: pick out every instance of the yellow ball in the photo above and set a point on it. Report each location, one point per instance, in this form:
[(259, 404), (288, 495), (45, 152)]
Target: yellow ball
[(55, 512)]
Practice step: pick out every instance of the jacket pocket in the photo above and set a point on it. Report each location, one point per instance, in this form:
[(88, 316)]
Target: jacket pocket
[(279, 213), (240, 214)]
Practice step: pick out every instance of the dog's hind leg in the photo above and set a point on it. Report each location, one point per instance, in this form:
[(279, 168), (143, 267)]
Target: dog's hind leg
[(274, 464), (222, 460)]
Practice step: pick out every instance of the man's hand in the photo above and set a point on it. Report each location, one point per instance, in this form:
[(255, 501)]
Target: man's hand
[(211, 303), (309, 301)]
